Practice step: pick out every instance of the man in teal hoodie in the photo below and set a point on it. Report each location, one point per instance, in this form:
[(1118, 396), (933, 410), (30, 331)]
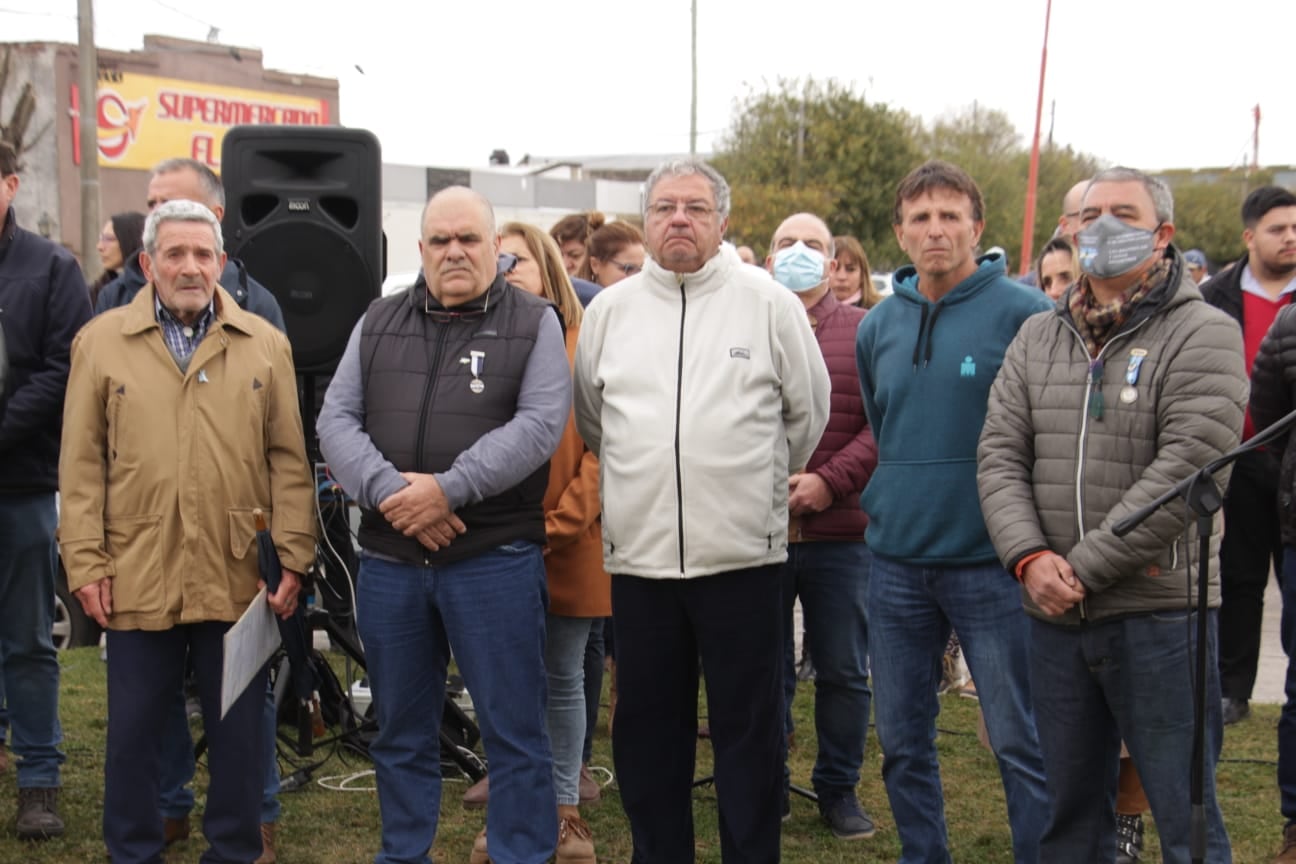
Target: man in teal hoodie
[(927, 357)]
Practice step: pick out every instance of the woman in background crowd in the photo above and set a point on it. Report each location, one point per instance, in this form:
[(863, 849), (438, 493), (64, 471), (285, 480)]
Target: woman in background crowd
[(580, 591), (121, 238), (852, 281), (571, 233), (614, 251), (1057, 267)]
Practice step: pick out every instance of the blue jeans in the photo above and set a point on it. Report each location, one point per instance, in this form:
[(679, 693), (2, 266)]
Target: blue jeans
[(28, 562), (832, 580), (911, 610), (490, 609), (594, 654), (1287, 720), (565, 671), (176, 795), (1130, 677)]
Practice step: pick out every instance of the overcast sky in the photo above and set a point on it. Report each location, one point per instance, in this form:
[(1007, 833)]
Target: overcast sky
[(1148, 83)]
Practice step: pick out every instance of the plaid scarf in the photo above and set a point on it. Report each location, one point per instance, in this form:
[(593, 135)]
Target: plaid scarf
[(1098, 323)]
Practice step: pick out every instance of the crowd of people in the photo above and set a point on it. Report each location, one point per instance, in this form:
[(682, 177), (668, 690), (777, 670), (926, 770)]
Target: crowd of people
[(603, 447)]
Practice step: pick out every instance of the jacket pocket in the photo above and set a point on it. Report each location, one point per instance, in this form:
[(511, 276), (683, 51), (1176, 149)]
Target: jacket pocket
[(134, 543), (242, 530)]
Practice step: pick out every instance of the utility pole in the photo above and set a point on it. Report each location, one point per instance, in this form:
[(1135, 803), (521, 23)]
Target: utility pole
[(1255, 139), (88, 79), (1028, 219), (693, 102)]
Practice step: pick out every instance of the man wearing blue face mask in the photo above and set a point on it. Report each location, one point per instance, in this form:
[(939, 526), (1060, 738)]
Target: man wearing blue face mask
[(828, 563), (1101, 405)]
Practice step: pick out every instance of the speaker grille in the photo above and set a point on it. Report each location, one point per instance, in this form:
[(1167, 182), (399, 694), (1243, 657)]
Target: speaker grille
[(322, 285)]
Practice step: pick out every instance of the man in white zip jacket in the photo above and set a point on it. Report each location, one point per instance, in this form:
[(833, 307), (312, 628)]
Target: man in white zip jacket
[(701, 388)]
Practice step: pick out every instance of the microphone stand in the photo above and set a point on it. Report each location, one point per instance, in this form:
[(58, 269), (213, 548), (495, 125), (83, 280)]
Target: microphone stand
[(1202, 495)]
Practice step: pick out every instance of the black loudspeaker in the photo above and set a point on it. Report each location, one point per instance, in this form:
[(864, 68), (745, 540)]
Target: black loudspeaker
[(303, 212)]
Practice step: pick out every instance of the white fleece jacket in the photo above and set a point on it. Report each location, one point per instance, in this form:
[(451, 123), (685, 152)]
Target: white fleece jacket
[(698, 392)]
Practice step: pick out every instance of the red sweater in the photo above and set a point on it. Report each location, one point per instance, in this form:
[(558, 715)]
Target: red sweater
[(847, 453), (1258, 314)]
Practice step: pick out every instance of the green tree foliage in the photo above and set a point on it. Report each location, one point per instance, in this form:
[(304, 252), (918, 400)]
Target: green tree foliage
[(985, 144), (819, 147), (1208, 215)]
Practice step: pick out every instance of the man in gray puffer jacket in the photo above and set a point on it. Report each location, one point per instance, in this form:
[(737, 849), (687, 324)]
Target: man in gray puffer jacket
[(1100, 406)]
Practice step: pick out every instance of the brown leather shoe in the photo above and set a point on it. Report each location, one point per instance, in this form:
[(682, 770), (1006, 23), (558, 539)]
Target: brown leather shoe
[(175, 830), (590, 791), (478, 794), (575, 842), (267, 844), (479, 854)]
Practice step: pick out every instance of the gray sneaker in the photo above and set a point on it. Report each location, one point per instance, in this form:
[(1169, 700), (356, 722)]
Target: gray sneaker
[(38, 817), (845, 817)]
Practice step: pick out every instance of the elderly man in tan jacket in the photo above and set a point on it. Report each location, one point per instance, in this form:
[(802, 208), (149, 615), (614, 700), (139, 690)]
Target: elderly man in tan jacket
[(181, 419)]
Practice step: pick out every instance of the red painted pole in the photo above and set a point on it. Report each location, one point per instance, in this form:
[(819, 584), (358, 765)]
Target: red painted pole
[(1028, 219)]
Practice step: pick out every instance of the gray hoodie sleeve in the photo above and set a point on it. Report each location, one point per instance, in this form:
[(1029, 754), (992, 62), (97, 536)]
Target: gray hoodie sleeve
[(504, 457), (357, 464)]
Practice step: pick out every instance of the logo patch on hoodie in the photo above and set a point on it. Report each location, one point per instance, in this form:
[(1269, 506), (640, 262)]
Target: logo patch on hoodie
[(740, 353), (968, 369)]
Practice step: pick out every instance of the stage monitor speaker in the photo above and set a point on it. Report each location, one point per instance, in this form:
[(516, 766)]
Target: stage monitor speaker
[(303, 212)]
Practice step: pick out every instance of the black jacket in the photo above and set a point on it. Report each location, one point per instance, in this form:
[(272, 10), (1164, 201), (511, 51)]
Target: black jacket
[(250, 294), (1273, 395), (43, 303), (1224, 291)]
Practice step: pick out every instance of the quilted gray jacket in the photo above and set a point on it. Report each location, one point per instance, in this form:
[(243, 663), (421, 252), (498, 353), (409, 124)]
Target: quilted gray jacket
[(1051, 475)]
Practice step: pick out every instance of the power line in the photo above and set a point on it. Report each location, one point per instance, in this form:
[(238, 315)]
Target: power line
[(4, 10), (188, 15)]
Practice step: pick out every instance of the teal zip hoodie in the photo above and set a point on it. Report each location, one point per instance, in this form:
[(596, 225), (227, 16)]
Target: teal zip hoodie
[(925, 370)]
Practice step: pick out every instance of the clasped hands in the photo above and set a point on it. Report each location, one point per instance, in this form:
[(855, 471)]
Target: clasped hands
[(421, 511), (1052, 584)]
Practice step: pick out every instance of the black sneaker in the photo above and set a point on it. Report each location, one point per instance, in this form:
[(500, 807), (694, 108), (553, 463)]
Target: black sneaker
[(1129, 838), (38, 817), (1234, 710), (845, 817)]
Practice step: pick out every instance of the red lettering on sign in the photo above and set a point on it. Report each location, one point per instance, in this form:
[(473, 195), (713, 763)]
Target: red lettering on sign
[(202, 147)]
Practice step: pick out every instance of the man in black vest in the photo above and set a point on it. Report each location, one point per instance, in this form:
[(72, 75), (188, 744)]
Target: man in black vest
[(440, 422)]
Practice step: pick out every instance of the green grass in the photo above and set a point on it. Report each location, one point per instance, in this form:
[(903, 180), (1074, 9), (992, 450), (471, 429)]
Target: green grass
[(322, 826)]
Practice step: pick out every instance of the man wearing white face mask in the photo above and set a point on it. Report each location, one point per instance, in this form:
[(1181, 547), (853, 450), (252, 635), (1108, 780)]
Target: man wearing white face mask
[(828, 563), (1102, 405)]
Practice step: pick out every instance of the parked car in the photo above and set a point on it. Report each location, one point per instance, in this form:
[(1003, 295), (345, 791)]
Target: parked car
[(72, 627), (882, 282), (398, 282)]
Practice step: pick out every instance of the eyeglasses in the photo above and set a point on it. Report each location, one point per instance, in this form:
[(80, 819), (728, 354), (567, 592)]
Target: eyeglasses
[(627, 269), (695, 211), (107, 238)]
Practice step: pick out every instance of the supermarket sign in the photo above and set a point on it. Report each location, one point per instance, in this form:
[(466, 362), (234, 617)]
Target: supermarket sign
[(143, 119)]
